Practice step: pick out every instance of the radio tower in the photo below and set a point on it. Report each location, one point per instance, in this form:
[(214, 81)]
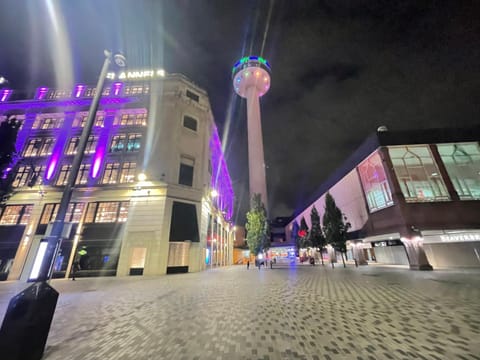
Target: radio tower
[(251, 79)]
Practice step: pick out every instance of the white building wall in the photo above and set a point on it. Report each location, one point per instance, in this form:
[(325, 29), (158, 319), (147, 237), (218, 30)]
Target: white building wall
[(349, 199)]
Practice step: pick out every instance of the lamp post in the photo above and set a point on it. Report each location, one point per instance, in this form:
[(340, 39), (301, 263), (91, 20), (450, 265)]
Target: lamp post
[(58, 224), (29, 315)]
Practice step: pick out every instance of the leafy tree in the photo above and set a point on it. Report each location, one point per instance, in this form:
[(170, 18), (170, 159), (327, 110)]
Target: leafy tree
[(294, 235), (303, 241), (257, 227), (316, 235), (335, 226), (8, 156)]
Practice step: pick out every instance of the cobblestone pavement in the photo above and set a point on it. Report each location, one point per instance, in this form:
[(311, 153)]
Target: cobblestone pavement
[(302, 312)]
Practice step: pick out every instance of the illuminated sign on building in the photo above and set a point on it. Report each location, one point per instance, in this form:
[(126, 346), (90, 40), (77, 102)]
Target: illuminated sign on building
[(460, 237), (452, 238), (137, 74)]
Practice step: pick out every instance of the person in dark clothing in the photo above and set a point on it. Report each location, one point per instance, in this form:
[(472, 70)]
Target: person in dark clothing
[(248, 264), (75, 269)]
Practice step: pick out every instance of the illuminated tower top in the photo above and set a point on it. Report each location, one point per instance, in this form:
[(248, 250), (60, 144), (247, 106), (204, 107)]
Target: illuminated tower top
[(251, 71)]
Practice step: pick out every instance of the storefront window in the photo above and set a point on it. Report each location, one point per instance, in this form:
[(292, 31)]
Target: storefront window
[(463, 166), (375, 184), (417, 173)]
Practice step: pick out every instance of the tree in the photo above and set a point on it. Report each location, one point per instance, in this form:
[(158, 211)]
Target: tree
[(294, 235), (303, 240), (8, 156), (335, 226), (257, 227), (316, 235)]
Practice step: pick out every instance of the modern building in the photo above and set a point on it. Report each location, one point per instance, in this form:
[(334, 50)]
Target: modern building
[(251, 80), (153, 194), (412, 197)]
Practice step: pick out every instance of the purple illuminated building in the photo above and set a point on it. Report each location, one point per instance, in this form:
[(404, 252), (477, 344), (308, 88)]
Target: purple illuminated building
[(143, 200)]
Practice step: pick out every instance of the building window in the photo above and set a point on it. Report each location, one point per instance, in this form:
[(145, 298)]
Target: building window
[(82, 176), (190, 123), (48, 121), (110, 174), (462, 162), (133, 142), (99, 121), (417, 173), (59, 94), (127, 174), (118, 143), (192, 96), (132, 119), (47, 147), (75, 141), (72, 146), (91, 144), (185, 176), (28, 175), (33, 147), (375, 184), (16, 214), (81, 119), (63, 175), (39, 147), (137, 90), (21, 178), (74, 213), (107, 212)]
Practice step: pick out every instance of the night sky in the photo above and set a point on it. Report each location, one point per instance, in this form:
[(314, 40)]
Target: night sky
[(340, 69)]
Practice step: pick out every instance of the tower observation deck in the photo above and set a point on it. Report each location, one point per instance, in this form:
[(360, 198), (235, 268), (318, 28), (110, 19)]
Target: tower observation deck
[(251, 80)]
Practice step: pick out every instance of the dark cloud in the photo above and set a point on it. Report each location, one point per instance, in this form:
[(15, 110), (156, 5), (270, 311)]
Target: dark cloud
[(340, 69)]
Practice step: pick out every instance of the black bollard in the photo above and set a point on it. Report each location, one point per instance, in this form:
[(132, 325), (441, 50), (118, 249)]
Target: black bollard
[(27, 322)]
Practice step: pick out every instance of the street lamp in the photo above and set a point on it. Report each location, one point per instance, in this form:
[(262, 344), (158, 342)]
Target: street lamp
[(55, 236), (24, 333)]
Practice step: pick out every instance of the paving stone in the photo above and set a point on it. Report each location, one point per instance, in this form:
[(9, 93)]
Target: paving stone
[(300, 312)]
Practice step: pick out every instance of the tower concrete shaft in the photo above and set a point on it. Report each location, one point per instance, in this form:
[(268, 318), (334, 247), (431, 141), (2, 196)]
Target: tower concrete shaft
[(256, 162)]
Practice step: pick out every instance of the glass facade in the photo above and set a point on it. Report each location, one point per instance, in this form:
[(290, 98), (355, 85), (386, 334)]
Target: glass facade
[(462, 162), (375, 183), (417, 173)]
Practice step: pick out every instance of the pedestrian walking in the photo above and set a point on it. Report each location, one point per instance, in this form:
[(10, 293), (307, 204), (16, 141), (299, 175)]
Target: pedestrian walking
[(75, 268), (248, 264)]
